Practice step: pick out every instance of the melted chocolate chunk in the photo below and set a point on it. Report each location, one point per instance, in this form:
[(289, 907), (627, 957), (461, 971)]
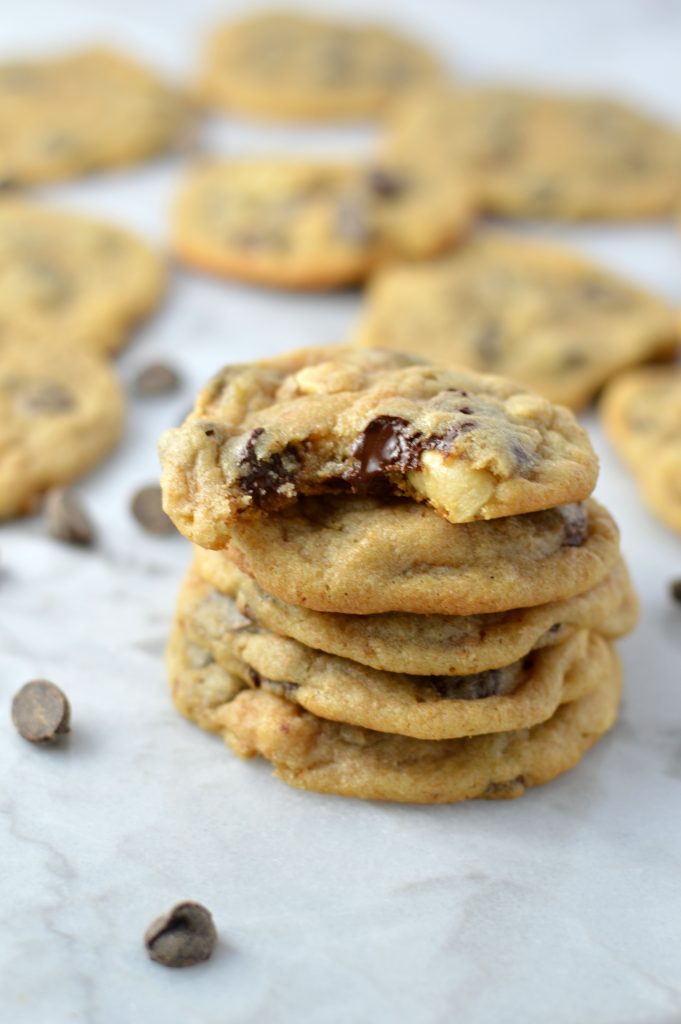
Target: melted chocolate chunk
[(385, 446), (262, 477), (576, 528)]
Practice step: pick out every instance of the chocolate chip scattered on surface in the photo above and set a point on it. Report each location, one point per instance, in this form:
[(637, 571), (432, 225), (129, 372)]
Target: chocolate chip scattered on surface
[(157, 379), (41, 712), (147, 509), (67, 519), (185, 936)]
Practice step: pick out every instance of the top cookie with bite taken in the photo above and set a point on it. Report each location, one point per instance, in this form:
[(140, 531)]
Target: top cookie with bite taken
[(344, 421)]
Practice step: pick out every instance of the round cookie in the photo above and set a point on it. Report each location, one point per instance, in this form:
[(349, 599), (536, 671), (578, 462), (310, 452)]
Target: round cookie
[(424, 644), (309, 225), (364, 421), (330, 757), (361, 556), (65, 116), (279, 65), (537, 313), (513, 696), (641, 413), (199, 686), (67, 279), (58, 419), (545, 156)]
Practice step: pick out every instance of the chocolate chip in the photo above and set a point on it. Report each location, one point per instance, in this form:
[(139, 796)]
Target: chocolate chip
[(40, 712), (210, 429), (47, 399), (183, 937), (675, 590), (506, 790), (383, 447), (263, 476), (156, 379), (66, 518), (147, 508), (573, 359), (479, 685), (524, 460), (385, 184), (576, 525)]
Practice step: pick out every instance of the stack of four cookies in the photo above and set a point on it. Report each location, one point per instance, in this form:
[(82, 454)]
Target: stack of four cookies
[(401, 589)]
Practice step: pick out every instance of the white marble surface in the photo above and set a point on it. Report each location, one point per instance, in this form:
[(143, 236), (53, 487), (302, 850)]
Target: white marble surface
[(564, 906)]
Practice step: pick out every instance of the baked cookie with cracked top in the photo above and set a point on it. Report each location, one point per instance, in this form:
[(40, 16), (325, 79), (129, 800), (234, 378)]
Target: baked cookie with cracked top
[(69, 279), (545, 156), (641, 413), (514, 695), (351, 421), (362, 556), (453, 645), (64, 116), (279, 64), (537, 313), (304, 224), (59, 417), (316, 754)]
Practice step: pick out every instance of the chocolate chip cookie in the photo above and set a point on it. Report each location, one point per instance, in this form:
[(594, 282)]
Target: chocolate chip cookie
[(282, 65), (306, 225), (641, 412), (349, 421), (537, 313), (316, 754), (545, 156), (68, 115), (59, 417), (419, 644), (67, 279), (514, 695), (362, 556)]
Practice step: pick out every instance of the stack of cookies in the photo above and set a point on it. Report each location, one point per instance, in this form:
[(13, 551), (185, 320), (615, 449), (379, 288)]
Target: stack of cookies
[(401, 588)]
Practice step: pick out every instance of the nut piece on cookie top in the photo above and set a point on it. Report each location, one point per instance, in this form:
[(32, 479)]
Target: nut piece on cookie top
[(343, 421)]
